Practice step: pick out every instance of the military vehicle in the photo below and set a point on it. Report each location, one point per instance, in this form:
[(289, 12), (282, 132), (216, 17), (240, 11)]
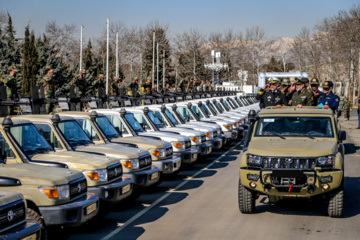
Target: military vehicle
[(55, 195), (137, 164), (293, 152), (161, 152), (13, 223)]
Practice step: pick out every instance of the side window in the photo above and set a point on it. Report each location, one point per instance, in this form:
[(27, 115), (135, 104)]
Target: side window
[(88, 129), (118, 125), (46, 131), (161, 119), (139, 117), (5, 149)]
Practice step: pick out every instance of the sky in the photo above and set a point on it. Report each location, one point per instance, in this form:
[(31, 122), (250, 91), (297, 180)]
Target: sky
[(278, 18)]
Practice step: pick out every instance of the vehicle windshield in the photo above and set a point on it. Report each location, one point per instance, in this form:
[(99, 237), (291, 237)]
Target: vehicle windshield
[(226, 104), (29, 139), (197, 111), (211, 106), (239, 102), (219, 106), (295, 127), (74, 133), (107, 128), (203, 106), (155, 120), (171, 117), (133, 123), (235, 105), (184, 112)]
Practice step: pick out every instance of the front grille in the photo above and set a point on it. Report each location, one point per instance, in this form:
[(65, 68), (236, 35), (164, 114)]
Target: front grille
[(203, 139), (114, 171), (12, 213), (215, 134), (168, 151), (78, 187), (187, 144), (296, 163), (145, 161)]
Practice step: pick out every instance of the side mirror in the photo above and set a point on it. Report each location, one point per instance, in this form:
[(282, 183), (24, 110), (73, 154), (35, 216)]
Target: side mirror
[(342, 135)]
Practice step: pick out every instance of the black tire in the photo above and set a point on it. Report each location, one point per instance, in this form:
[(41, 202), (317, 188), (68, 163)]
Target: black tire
[(336, 203), (33, 215), (246, 200)]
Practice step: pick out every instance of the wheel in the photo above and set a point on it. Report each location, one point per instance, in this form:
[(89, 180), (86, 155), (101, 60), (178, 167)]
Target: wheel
[(246, 200), (336, 203), (33, 215)]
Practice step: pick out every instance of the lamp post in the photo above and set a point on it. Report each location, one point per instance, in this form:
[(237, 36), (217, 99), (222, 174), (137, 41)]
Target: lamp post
[(243, 75), (216, 66)]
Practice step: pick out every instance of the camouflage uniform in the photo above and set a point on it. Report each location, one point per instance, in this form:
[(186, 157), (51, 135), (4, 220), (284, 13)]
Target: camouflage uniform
[(134, 86), (99, 83), (346, 107), (81, 83), (182, 85), (304, 97), (11, 86), (48, 84), (147, 87), (190, 85)]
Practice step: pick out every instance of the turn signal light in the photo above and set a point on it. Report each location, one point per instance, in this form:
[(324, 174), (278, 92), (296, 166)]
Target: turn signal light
[(227, 127), (92, 175), (207, 135), (126, 164), (51, 193), (234, 124), (177, 145), (194, 139), (155, 153)]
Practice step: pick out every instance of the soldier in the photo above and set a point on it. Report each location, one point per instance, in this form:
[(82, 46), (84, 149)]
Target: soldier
[(285, 86), (167, 88), (147, 86), (81, 83), (202, 86), (182, 85), (207, 86), (99, 83), (115, 88), (302, 96), (342, 101), (347, 108), (134, 86), (270, 95), (314, 83), (328, 99), (48, 84), (10, 83), (190, 85), (196, 85)]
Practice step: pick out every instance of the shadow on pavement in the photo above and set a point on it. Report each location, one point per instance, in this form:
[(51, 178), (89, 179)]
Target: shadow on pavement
[(350, 148)]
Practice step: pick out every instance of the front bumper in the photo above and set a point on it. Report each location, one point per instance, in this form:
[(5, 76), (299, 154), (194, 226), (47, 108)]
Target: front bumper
[(217, 143), (307, 181), (169, 165), (187, 156), (115, 191), (231, 134), (144, 178), (29, 229), (71, 214), (204, 148)]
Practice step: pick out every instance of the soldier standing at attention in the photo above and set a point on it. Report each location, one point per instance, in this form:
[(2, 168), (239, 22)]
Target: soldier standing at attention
[(81, 83), (314, 83), (115, 89), (207, 86), (48, 84), (347, 108), (134, 86), (99, 83), (190, 85), (302, 96), (147, 86), (328, 99), (10, 83), (270, 95)]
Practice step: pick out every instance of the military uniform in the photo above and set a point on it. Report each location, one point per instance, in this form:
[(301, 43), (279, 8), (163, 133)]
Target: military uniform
[(270, 98), (99, 83), (190, 86), (147, 88), (11, 86), (81, 83), (303, 97), (347, 107), (182, 85), (329, 99), (49, 91), (134, 87), (197, 86)]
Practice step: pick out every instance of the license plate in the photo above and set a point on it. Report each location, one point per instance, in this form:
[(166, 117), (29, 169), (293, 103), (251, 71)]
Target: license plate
[(90, 208), (126, 188), (154, 175), (31, 237)]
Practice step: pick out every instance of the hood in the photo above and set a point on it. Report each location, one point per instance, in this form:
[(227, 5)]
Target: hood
[(7, 197), (182, 131), (114, 150), (198, 128), (299, 147), (32, 174), (77, 160), (142, 143), (166, 136)]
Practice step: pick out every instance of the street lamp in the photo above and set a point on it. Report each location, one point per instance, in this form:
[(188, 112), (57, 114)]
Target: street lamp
[(216, 66)]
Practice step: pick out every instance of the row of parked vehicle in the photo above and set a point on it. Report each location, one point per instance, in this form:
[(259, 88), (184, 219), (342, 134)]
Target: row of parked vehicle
[(62, 169)]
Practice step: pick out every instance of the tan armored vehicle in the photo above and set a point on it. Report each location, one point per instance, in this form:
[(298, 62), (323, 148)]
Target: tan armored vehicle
[(65, 134), (293, 152), (13, 223), (103, 132), (54, 194)]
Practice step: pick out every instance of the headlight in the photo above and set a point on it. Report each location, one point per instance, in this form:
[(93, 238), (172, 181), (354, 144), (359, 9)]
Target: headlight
[(326, 161), (158, 152), (59, 192), (227, 127), (253, 160), (131, 163), (97, 175), (194, 139)]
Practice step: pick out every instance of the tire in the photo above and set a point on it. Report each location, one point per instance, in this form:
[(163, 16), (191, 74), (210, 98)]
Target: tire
[(336, 203), (33, 215), (246, 200)]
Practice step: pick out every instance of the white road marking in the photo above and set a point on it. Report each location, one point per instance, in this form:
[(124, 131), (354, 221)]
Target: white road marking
[(142, 212)]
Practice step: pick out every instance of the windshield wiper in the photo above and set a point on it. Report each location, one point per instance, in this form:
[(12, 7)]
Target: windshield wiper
[(303, 134), (43, 149), (276, 134)]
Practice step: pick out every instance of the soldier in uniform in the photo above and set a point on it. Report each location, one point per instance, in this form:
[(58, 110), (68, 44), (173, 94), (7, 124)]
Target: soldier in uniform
[(48, 84), (167, 88), (147, 86), (134, 86), (270, 95), (314, 83), (285, 86), (207, 86), (99, 83), (196, 85), (10, 83), (302, 96), (190, 85), (115, 89), (202, 86), (347, 108), (81, 83), (342, 101), (182, 85), (328, 99)]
